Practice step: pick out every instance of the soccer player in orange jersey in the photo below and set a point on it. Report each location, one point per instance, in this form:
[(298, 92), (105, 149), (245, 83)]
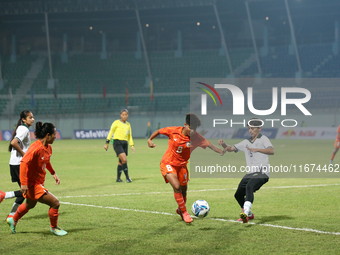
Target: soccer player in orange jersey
[(32, 177), (182, 141), (336, 145)]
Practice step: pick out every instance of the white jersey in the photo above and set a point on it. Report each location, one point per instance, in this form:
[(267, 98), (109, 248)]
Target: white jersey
[(23, 136), (256, 162)]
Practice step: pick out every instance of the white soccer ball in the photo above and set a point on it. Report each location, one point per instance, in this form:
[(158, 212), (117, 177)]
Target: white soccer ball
[(200, 208)]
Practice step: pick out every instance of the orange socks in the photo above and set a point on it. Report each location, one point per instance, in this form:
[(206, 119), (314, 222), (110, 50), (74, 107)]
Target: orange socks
[(180, 201), (22, 210), (53, 213)]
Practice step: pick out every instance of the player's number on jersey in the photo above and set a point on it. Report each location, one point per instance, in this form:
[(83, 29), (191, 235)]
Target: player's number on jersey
[(169, 168), (179, 149)]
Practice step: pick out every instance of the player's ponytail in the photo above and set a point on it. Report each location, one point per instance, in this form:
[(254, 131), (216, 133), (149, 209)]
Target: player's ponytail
[(23, 115), (41, 130)]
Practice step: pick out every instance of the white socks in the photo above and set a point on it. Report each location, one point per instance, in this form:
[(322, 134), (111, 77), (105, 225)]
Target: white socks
[(9, 194), (247, 208), (14, 208)]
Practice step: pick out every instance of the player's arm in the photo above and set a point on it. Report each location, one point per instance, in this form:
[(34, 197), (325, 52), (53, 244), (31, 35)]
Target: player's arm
[(23, 177), (51, 170), (153, 135), (15, 145), (131, 140), (227, 148), (108, 138), (216, 149), (268, 151)]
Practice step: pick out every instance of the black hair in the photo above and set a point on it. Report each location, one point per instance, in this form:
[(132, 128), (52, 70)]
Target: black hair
[(192, 120), (255, 122), (41, 130), (23, 115)]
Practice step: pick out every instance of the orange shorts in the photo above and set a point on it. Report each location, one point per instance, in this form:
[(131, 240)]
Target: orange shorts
[(180, 171), (337, 143), (35, 192)]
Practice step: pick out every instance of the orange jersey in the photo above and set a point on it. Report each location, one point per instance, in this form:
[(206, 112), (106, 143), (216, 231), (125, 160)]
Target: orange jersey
[(180, 146), (34, 163), (338, 131)]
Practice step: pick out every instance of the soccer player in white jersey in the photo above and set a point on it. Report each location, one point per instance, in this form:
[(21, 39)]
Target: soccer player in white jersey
[(256, 150), (19, 145)]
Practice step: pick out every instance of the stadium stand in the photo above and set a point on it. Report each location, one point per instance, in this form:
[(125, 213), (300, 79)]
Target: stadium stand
[(14, 73), (171, 76)]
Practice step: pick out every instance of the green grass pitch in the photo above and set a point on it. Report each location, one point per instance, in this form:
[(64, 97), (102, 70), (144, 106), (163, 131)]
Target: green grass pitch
[(292, 215)]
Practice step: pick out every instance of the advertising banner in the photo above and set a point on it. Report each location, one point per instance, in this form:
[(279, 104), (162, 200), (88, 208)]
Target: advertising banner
[(214, 133), (7, 135), (243, 133), (91, 133), (307, 133)]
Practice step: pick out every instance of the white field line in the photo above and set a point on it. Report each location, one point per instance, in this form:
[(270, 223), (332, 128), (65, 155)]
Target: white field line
[(202, 190), (117, 208), (233, 221), (285, 227)]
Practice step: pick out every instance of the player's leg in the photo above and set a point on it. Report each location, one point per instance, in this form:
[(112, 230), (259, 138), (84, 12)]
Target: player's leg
[(184, 194), (254, 184), (183, 175), (119, 150), (241, 191), (336, 148), (2, 196), (173, 180), (125, 167), (15, 169), (21, 211), (119, 171), (54, 204), (177, 187), (50, 200), (18, 201), (240, 197), (9, 194), (123, 159)]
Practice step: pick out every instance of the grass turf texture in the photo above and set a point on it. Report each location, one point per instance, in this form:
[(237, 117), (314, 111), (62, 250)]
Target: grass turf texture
[(101, 218)]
